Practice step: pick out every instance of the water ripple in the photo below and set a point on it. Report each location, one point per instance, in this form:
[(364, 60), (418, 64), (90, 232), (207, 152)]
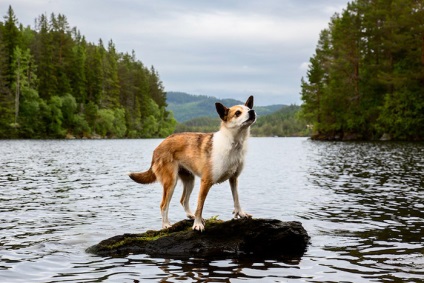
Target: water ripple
[(376, 209)]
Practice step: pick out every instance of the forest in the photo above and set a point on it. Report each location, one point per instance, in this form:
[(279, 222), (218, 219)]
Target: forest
[(366, 78), (55, 84)]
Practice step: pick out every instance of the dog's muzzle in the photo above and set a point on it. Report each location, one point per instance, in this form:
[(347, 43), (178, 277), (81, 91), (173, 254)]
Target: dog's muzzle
[(252, 117)]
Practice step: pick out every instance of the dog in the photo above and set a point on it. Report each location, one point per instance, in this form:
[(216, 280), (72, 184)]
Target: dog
[(214, 157)]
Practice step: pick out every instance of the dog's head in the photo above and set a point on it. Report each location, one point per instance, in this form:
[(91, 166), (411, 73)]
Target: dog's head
[(239, 116)]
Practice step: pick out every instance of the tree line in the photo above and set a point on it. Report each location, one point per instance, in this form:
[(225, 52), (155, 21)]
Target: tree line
[(366, 78), (54, 83), (283, 123)]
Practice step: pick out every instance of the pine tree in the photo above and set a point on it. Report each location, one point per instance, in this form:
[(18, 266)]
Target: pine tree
[(156, 90), (313, 90), (76, 70), (24, 75), (62, 44), (94, 74), (110, 86), (44, 56), (11, 39)]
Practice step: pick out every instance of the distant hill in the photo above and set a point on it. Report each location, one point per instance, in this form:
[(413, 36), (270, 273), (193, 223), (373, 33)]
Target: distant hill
[(187, 106), (281, 123)]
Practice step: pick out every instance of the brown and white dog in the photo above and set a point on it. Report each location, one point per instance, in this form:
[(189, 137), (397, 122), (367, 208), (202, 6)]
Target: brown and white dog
[(214, 157)]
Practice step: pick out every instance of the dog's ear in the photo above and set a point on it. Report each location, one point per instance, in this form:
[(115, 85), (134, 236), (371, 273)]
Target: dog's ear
[(222, 111), (249, 102)]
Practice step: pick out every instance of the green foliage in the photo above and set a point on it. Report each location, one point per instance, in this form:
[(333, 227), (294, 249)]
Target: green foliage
[(54, 117), (69, 108), (80, 126), (30, 113), (120, 128), (105, 122), (149, 127), (167, 123), (366, 76), (283, 123), (201, 124), (53, 84)]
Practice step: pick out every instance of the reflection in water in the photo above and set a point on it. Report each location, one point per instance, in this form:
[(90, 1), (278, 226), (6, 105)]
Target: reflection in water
[(361, 203), (376, 210), (202, 270), (141, 268)]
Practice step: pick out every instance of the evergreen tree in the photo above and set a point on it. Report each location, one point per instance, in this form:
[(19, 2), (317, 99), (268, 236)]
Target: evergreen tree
[(10, 40), (77, 74), (44, 56), (6, 97), (24, 78), (61, 53), (110, 86), (156, 90), (318, 80), (93, 74)]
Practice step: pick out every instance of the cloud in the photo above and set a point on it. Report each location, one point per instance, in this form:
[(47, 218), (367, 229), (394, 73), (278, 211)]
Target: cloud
[(304, 66)]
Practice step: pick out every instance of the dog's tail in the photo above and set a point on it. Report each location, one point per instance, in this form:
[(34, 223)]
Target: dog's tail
[(143, 177)]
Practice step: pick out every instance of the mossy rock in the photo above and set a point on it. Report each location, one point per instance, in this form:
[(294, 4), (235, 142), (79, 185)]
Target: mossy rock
[(234, 238)]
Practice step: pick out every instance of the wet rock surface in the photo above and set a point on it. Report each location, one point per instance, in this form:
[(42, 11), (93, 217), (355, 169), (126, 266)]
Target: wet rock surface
[(221, 239)]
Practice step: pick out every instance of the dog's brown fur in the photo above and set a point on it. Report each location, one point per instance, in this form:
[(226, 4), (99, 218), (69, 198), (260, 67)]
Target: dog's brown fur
[(213, 157)]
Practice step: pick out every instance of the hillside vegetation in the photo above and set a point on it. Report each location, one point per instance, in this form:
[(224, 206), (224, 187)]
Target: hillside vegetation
[(187, 106)]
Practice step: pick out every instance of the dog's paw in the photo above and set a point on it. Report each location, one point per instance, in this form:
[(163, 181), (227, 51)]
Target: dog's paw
[(198, 225), (190, 216), (241, 214), (166, 225)]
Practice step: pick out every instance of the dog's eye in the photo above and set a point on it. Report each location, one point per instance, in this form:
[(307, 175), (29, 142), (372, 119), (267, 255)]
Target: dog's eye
[(238, 113)]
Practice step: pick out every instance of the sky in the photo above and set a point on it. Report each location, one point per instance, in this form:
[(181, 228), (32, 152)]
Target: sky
[(222, 48)]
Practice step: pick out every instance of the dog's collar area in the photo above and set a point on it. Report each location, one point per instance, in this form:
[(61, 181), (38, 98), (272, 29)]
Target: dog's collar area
[(236, 145)]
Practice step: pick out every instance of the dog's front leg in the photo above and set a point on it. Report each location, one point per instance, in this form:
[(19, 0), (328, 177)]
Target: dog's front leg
[(198, 220), (238, 211)]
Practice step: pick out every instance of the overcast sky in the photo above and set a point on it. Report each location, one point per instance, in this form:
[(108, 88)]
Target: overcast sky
[(222, 48)]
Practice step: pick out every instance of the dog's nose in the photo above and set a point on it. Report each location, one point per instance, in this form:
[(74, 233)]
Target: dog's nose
[(252, 114)]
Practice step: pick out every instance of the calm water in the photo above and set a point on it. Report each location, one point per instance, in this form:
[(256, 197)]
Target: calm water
[(362, 204)]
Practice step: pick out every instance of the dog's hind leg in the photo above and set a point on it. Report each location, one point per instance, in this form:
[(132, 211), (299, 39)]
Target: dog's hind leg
[(188, 183), (168, 179)]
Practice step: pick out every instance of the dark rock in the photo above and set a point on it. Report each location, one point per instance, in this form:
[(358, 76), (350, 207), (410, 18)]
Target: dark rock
[(234, 238)]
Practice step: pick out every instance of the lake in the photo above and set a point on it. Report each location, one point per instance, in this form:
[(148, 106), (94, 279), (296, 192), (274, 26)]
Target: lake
[(362, 203)]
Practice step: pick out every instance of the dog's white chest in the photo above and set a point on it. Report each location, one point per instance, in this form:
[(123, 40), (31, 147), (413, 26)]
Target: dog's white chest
[(227, 157)]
